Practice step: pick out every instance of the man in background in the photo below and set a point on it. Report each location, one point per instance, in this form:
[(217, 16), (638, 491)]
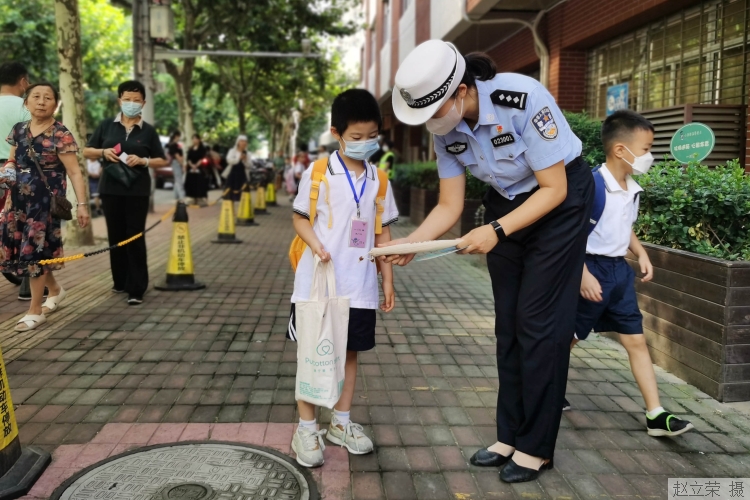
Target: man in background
[(14, 80)]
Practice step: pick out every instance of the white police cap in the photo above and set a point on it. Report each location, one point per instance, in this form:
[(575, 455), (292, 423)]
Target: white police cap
[(430, 74)]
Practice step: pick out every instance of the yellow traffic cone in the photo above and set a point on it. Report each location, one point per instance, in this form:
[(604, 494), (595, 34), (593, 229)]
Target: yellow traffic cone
[(19, 467), (180, 264), (226, 223), (271, 195), (260, 201), (246, 216)]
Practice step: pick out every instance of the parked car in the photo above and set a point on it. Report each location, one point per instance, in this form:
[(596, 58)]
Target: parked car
[(164, 174)]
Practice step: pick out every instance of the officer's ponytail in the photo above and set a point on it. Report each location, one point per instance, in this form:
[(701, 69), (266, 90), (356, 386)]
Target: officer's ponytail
[(479, 66)]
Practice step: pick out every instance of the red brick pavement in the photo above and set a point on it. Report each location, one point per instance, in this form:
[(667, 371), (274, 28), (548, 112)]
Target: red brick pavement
[(426, 394)]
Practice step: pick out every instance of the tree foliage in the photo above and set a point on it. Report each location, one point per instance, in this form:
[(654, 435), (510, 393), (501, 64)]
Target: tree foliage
[(28, 36)]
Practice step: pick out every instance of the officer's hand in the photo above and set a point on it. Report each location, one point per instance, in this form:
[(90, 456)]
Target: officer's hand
[(399, 260), (480, 240), (590, 287), (646, 268)]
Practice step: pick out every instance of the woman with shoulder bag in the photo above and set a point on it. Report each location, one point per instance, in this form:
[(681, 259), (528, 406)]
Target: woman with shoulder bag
[(127, 147), (238, 165), (42, 152)]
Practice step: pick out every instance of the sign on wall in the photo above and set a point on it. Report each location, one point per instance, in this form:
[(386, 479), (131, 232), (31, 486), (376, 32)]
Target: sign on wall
[(692, 142), (617, 97)]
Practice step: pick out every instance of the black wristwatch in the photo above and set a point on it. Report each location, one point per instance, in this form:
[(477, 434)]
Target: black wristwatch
[(499, 231)]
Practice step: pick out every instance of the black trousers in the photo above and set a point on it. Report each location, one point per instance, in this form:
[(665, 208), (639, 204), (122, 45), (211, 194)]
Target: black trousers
[(126, 217), (536, 278)]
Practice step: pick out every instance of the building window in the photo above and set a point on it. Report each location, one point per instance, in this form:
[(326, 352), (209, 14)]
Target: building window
[(699, 55)]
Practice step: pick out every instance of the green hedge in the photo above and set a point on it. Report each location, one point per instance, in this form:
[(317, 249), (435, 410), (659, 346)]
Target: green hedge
[(589, 131), (696, 208), (420, 175), (425, 176)]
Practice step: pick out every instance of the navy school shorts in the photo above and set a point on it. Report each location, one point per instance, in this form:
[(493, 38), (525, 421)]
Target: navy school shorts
[(361, 335), (618, 311)]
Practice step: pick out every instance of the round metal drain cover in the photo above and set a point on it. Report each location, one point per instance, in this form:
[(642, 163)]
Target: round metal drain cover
[(192, 471)]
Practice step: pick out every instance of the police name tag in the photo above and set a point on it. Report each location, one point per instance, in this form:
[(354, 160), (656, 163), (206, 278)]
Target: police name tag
[(456, 148), (503, 140)]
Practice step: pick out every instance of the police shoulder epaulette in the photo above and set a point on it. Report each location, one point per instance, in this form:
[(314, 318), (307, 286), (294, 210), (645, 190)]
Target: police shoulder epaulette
[(509, 98)]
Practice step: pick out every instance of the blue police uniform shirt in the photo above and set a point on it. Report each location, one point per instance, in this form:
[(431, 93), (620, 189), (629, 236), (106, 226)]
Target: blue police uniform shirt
[(520, 130)]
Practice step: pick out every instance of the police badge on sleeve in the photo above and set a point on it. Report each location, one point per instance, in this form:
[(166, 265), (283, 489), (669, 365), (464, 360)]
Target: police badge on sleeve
[(545, 124)]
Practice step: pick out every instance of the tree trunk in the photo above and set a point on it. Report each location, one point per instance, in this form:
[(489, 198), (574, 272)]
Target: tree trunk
[(241, 105), (183, 78), (68, 26)]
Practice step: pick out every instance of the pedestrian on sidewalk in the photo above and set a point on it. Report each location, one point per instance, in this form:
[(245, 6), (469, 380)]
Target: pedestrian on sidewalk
[(607, 301), (42, 153), (353, 184), (125, 186), (176, 159), (238, 166), (508, 131), (94, 168), (14, 80), (196, 182)]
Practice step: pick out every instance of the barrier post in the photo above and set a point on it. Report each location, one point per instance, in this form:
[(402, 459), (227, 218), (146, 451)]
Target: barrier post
[(260, 201), (271, 195), (226, 222), (246, 216), (19, 467), (180, 275)]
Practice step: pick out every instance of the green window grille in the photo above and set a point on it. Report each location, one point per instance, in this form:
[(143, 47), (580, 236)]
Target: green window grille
[(699, 55)]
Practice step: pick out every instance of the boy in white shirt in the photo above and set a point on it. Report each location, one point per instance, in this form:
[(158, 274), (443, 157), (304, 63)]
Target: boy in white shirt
[(608, 299), (353, 184)]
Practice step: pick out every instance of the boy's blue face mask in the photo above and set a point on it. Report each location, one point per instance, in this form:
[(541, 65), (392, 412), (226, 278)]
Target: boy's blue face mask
[(360, 150), (131, 109)]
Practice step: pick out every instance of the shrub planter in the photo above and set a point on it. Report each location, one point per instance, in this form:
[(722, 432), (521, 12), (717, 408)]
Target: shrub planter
[(422, 202), (696, 317), (467, 222), (402, 196)]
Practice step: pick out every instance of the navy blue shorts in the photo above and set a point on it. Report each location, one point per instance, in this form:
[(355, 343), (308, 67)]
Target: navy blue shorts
[(361, 335), (618, 311)]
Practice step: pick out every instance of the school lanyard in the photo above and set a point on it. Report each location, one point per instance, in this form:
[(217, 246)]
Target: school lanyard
[(354, 191)]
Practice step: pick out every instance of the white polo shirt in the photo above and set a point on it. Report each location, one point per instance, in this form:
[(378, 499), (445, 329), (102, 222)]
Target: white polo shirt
[(611, 236), (356, 276)]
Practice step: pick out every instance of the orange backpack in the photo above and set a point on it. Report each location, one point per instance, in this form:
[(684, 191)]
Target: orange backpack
[(297, 248)]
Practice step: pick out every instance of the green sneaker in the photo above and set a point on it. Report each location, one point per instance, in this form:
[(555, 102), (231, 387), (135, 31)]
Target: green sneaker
[(351, 436), (309, 446), (666, 424)]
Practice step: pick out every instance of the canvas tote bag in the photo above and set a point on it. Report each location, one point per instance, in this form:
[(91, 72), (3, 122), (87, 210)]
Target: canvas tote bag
[(322, 324)]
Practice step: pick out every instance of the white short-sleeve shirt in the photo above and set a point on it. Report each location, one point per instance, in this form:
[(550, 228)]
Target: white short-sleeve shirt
[(611, 236), (356, 276)]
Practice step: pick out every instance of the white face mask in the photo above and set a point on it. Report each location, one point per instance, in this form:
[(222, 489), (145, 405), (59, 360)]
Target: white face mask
[(444, 124), (641, 164)]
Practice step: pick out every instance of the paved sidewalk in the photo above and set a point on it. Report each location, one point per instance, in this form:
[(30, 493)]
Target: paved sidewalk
[(217, 360)]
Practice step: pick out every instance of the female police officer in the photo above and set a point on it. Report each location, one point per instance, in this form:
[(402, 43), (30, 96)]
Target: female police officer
[(508, 131)]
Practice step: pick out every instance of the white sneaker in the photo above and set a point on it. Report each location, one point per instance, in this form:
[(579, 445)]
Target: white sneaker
[(309, 446), (351, 436)]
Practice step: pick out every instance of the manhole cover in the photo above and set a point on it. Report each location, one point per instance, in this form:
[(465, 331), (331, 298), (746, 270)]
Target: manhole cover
[(192, 471)]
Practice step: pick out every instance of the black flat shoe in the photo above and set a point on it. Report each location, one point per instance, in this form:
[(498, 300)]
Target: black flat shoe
[(487, 458), (514, 473)]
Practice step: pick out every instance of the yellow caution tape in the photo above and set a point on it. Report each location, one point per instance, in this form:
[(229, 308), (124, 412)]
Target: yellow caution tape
[(170, 213)]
